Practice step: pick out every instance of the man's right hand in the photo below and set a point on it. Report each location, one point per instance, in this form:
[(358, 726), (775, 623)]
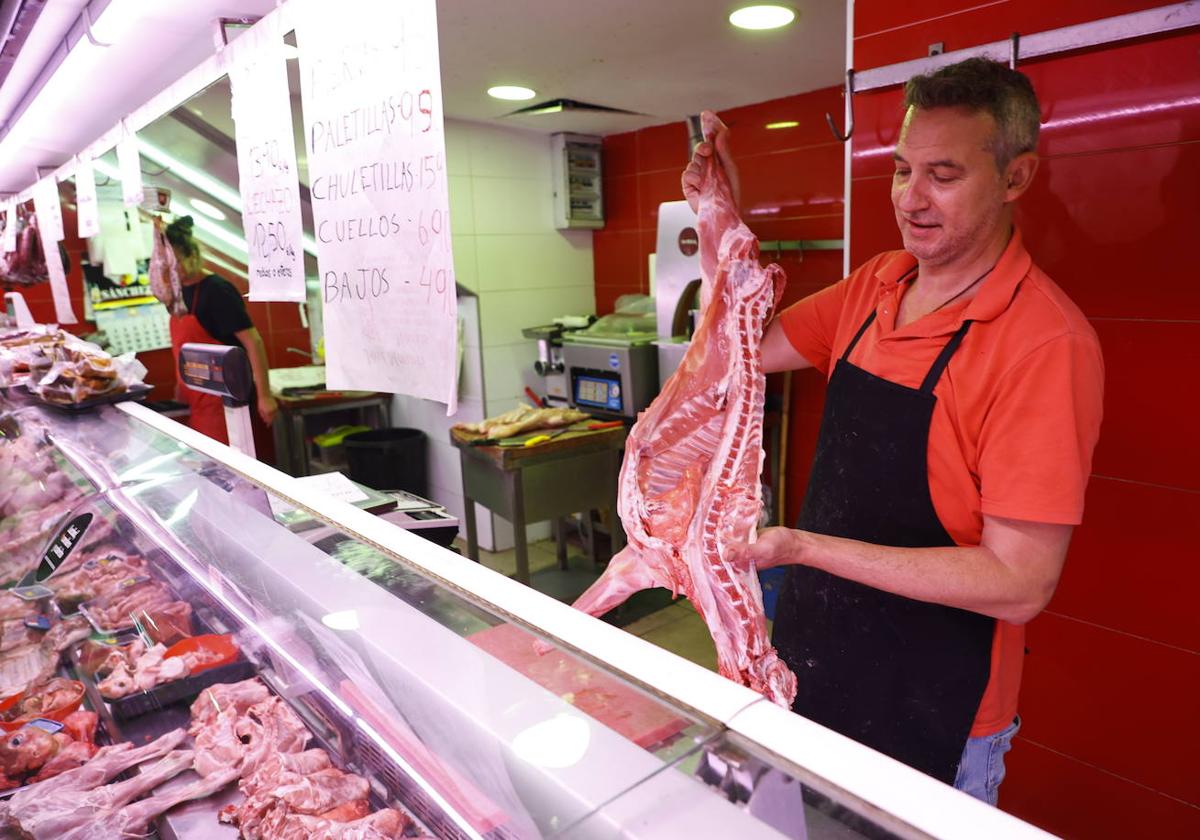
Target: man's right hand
[(693, 174)]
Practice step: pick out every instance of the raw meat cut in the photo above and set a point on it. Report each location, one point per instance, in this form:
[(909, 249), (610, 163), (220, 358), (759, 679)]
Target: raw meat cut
[(523, 419), (132, 820), (24, 666), (690, 481), (54, 815), (388, 823)]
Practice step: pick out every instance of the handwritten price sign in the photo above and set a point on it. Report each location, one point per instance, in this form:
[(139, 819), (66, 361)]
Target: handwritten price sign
[(371, 84), (270, 186)]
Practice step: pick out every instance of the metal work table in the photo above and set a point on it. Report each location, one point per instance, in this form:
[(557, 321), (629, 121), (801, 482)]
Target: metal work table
[(291, 448), (576, 471)]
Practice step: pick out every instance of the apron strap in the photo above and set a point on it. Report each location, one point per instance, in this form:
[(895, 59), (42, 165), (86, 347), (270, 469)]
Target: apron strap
[(943, 359), (912, 272), (858, 335)]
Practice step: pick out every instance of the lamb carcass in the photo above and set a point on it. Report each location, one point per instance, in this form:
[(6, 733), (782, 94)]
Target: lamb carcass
[(690, 480)]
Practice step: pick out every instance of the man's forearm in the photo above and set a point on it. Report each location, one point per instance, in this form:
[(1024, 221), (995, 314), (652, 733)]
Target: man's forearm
[(968, 577)]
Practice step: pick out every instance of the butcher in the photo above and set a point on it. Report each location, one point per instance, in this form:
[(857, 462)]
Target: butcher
[(963, 404)]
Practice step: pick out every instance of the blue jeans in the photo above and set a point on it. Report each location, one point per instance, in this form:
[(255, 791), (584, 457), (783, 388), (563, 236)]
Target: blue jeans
[(981, 769)]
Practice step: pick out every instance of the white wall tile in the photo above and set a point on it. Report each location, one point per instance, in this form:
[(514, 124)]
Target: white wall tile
[(502, 369), (534, 261), (466, 272), (468, 308), (503, 315), (462, 205), (470, 384), (507, 152), (512, 205), (458, 147)]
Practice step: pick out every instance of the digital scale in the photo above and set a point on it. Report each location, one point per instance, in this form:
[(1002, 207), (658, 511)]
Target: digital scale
[(224, 371)]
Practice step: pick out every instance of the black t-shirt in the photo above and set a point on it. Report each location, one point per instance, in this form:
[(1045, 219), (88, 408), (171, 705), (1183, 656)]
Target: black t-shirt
[(222, 311)]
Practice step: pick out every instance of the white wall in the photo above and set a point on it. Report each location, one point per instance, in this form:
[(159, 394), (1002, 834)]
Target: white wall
[(524, 273)]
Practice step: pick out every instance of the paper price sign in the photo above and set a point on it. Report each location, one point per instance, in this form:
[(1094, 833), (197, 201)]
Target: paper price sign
[(129, 162), (48, 207), (371, 84), (270, 186), (87, 208)]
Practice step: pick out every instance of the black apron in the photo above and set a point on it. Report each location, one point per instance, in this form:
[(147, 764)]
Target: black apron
[(904, 677)]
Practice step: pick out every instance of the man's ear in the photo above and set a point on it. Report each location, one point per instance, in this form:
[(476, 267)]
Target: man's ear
[(1019, 175)]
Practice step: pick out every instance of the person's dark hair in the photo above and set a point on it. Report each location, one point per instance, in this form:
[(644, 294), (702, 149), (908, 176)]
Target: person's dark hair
[(980, 84), (179, 234)]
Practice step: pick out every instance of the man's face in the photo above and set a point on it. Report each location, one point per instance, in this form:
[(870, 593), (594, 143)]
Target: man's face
[(946, 190)]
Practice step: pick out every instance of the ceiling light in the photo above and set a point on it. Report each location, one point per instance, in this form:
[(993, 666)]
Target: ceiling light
[(762, 17), (783, 124), (513, 92), (207, 209)]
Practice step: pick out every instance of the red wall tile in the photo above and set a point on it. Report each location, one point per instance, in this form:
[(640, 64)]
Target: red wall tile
[(1150, 403), (892, 32), (1121, 702), (1073, 799), (1111, 681), (1146, 559)]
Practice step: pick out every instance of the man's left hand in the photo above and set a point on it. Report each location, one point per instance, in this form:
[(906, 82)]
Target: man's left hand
[(774, 547)]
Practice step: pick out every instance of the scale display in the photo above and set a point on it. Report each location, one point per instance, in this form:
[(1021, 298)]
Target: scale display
[(598, 392), (216, 369)]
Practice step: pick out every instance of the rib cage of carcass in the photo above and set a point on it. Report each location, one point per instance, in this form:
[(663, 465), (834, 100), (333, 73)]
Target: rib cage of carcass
[(690, 480)]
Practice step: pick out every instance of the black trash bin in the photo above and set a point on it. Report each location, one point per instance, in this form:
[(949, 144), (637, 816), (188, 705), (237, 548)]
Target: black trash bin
[(389, 459)]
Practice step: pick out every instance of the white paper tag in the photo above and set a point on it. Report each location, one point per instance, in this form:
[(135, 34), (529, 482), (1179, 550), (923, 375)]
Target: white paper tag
[(371, 85), (10, 227), (86, 206), (48, 208), (334, 484), (63, 311), (266, 150), (129, 163)]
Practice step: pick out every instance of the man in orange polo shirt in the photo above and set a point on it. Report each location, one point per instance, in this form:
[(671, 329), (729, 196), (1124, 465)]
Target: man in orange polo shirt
[(964, 402)]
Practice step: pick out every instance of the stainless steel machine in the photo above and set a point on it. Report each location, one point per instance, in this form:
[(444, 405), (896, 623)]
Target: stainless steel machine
[(549, 365), (611, 376)]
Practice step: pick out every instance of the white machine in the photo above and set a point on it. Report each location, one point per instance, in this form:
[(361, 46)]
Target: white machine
[(676, 283)]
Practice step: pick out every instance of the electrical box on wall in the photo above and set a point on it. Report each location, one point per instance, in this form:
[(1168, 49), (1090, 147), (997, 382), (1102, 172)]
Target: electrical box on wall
[(578, 188)]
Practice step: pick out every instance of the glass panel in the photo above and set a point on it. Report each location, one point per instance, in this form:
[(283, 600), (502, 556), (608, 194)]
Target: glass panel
[(459, 715)]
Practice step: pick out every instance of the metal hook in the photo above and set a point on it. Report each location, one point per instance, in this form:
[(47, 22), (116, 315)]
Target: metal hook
[(1014, 48), (87, 27), (850, 99)]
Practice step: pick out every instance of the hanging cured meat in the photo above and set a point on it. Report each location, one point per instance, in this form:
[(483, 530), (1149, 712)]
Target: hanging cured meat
[(690, 481)]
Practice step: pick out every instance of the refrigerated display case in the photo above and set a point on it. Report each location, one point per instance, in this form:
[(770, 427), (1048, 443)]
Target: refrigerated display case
[(471, 703)]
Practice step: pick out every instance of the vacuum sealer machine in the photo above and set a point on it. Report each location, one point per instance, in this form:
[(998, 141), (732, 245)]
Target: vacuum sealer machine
[(612, 366)]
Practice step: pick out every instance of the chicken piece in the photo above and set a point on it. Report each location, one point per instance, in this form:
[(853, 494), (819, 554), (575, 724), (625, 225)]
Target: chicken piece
[(146, 668), (119, 683), (238, 697), (348, 811), (323, 791), (387, 824)]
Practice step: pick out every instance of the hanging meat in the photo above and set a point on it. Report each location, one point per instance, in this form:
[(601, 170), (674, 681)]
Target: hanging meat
[(27, 264), (165, 281), (690, 480)]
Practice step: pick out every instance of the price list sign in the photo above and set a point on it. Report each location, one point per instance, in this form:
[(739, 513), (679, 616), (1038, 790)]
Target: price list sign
[(266, 149), (371, 85)]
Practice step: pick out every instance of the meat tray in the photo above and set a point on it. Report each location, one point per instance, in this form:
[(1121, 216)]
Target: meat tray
[(133, 392), (184, 688)]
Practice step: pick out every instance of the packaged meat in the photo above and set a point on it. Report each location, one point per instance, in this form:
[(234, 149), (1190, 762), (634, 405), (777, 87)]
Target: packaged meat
[(53, 699), (690, 482), (125, 608)]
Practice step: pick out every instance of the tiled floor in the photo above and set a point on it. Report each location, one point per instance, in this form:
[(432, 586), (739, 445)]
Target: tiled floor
[(678, 628)]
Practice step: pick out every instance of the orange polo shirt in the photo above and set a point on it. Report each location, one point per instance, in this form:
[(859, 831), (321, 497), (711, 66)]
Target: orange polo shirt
[(1018, 409)]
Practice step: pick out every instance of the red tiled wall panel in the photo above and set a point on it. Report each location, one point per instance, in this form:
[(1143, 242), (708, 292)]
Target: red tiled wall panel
[(1113, 672)]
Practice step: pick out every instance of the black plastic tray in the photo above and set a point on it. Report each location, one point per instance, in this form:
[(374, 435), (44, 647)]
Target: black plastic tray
[(138, 391), (186, 688)]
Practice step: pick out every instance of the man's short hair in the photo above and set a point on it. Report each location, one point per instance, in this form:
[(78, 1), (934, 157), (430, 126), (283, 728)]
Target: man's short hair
[(983, 85)]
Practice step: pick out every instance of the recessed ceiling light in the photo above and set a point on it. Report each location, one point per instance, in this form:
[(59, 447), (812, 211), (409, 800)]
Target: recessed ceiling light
[(210, 210), (783, 124), (762, 17), (513, 92)]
